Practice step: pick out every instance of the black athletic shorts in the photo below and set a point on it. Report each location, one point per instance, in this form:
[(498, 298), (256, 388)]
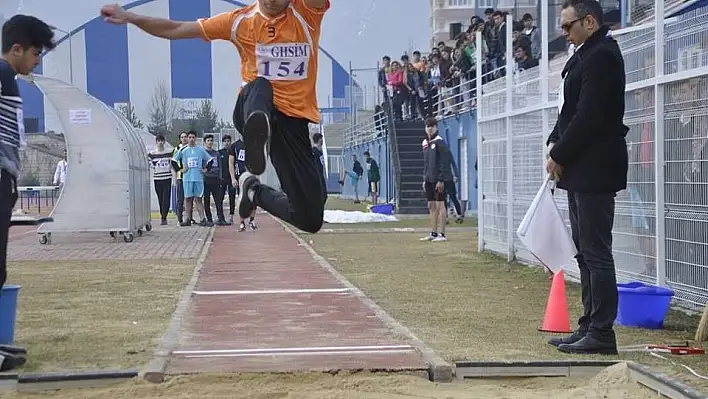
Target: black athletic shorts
[(432, 194)]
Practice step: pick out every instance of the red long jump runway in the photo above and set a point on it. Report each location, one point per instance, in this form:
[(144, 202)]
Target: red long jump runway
[(263, 304)]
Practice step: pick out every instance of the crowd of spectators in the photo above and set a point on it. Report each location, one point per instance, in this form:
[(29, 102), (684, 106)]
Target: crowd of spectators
[(443, 81)]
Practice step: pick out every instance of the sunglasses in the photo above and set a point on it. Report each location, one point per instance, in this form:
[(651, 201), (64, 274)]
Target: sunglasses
[(568, 25)]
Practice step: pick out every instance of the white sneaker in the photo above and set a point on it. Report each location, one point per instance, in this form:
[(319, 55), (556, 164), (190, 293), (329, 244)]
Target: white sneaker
[(439, 238), (429, 237)]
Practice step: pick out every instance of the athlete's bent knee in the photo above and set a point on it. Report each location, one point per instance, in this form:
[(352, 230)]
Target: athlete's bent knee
[(311, 225)]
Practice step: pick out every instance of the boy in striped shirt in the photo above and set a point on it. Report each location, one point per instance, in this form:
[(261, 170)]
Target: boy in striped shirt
[(23, 40), (162, 175)]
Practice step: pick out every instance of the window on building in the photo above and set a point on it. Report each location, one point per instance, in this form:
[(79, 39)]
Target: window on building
[(460, 3), (487, 4)]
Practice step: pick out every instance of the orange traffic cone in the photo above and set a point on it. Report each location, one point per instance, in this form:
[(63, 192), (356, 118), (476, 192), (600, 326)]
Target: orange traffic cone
[(557, 319)]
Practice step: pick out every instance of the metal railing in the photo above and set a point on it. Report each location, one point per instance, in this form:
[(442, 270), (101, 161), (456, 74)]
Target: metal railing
[(37, 200), (366, 130), (660, 234)]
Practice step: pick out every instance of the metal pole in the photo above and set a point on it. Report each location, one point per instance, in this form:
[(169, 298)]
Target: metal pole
[(509, 75), (660, 217), (71, 60), (351, 95), (480, 139)]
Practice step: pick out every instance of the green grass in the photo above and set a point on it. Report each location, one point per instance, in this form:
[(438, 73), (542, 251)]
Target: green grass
[(467, 305), (87, 315)]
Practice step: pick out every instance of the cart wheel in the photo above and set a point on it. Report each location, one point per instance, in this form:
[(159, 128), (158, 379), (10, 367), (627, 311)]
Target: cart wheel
[(112, 234), (128, 237), (43, 239), (140, 232), (148, 226)]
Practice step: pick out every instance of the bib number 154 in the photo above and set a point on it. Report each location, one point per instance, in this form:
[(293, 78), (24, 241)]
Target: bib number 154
[(283, 69)]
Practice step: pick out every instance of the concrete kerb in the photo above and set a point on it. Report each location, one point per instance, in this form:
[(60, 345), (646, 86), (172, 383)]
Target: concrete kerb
[(155, 370), (641, 374), (438, 369)]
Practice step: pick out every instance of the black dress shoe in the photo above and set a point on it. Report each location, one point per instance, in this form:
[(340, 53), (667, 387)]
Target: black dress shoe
[(9, 361), (570, 339), (590, 346), (13, 350)]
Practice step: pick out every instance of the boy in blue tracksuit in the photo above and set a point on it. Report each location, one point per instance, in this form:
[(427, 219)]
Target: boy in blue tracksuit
[(195, 162)]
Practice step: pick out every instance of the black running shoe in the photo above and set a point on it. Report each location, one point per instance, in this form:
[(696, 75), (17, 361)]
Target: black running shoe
[(244, 203), (256, 136)]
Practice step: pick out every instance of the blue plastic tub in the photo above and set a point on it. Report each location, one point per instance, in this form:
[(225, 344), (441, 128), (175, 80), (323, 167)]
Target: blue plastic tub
[(642, 305), (8, 311), (385, 209)]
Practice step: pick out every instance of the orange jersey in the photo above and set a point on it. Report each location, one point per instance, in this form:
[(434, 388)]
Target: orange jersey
[(282, 49)]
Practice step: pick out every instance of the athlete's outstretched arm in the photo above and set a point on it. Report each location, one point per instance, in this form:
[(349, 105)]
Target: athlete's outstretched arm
[(160, 27)]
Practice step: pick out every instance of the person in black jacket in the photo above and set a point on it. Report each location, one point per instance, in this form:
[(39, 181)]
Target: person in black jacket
[(228, 186), (436, 171), (588, 152)]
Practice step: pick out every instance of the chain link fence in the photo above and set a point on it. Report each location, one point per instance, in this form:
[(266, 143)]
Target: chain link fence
[(661, 220)]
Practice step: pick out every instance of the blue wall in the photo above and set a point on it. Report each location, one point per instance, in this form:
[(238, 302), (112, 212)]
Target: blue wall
[(379, 150), (190, 59), (108, 68), (453, 129), (33, 103)]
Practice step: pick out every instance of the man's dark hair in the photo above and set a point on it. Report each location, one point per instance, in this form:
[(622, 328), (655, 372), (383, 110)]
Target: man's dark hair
[(583, 8), (441, 44), (404, 57), (498, 14), (208, 136), (386, 58), (27, 31), (316, 137), (225, 137), (416, 52), (366, 153), (159, 137), (191, 133), (527, 17), (431, 121), (488, 11)]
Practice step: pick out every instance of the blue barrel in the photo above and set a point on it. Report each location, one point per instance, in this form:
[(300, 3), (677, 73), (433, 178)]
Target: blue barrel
[(642, 305), (8, 312)]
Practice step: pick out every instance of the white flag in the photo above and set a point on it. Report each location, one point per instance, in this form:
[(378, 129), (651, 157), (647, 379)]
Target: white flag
[(543, 232)]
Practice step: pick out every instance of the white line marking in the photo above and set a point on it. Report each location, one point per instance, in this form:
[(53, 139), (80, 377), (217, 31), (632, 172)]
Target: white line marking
[(256, 292), (284, 350), (322, 353)]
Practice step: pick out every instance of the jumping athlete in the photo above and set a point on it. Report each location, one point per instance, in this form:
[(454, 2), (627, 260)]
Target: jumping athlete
[(278, 41)]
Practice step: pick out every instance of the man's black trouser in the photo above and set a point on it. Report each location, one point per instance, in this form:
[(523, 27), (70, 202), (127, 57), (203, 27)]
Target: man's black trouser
[(451, 195), (591, 220), (8, 197), (301, 203), (227, 187), (180, 200), (163, 189), (212, 187)]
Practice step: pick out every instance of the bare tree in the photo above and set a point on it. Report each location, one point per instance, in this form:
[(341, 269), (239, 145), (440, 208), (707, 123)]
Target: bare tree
[(163, 109), (129, 112)]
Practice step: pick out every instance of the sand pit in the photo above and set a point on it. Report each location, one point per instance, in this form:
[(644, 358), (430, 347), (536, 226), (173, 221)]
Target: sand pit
[(612, 383)]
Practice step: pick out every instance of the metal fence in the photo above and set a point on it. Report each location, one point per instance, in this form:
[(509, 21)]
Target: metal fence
[(661, 223)]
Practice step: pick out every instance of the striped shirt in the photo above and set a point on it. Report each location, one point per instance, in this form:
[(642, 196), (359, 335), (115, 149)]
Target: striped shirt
[(160, 161), (12, 127)]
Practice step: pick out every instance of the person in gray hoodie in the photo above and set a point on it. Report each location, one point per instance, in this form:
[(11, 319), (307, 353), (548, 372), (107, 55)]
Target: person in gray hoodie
[(436, 171)]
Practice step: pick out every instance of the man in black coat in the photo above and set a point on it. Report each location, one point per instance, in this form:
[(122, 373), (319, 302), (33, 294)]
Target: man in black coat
[(588, 152)]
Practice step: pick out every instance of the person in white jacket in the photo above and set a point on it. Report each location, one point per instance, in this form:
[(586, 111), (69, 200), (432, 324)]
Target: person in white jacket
[(60, 172)]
